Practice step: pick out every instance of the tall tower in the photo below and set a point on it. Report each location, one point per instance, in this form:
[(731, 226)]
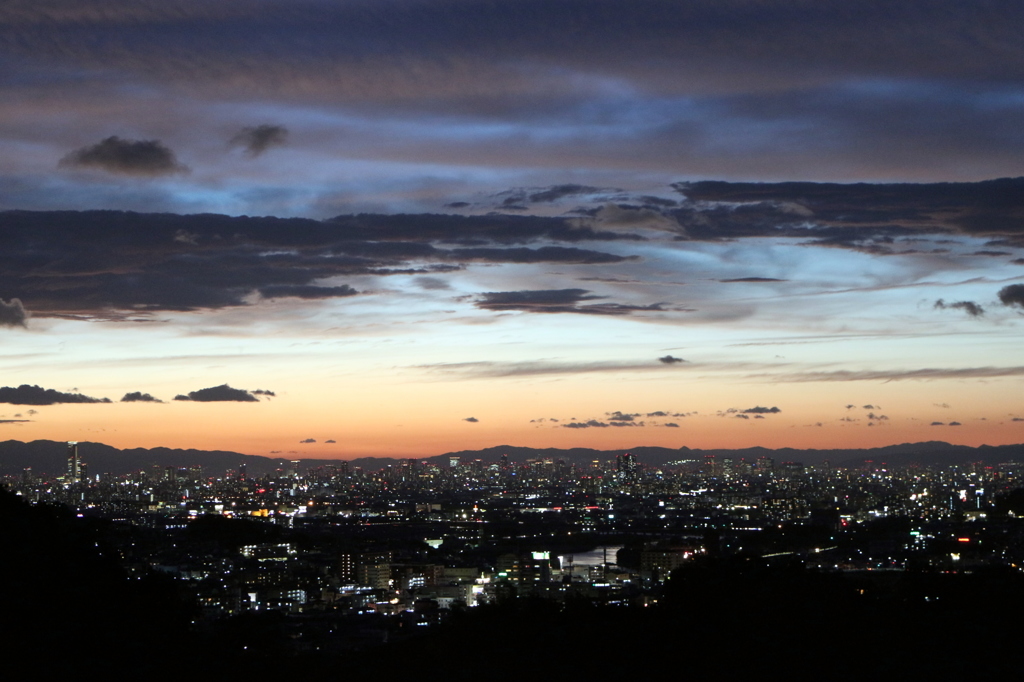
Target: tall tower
[(74, 474)]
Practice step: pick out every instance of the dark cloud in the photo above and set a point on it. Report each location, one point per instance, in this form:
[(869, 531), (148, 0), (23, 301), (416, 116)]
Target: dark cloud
[(472, 420), (556, 301), (125, 157), (955, 424), (260, 391), (877, 417), (969, 307), (616, 419), (852, 215), (990, 253), (306, 291), (35, 395), (670, 360), (672, 425), (12, 314), (255, 140), (753, 279), (540, 300), (938, 424), (15, 421), (139, 397), (762, 410), (593, 423), (1012, 295), (222, 393), (741, 416), (308, 440), (1017, 419), (330, 440)]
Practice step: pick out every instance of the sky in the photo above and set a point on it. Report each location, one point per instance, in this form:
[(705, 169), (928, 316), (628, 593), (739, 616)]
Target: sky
[(409, 227)]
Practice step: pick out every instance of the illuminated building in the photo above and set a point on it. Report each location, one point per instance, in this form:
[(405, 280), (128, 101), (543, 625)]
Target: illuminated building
[(74, 473), (626, 469)]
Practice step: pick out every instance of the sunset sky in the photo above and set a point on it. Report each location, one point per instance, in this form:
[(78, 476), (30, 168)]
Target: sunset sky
[(408, 227)]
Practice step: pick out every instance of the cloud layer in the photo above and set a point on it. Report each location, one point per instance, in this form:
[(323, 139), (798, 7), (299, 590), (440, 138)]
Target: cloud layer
[(462, 93), (95, 262)]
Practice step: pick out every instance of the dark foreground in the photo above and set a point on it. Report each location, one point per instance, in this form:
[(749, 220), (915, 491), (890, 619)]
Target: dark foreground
[(69, 609)]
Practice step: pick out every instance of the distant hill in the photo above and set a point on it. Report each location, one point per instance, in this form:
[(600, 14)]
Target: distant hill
[(932, 452), (49, 457)]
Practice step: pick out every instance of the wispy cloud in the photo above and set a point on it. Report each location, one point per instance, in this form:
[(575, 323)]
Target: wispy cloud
[(476, 370), (969, 307), (896, 375)]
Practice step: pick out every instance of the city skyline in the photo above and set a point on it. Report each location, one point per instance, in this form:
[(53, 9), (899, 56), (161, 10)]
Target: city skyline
[(487, 223)]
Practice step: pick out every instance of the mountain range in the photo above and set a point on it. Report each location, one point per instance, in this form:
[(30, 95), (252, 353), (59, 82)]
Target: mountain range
[(46, 457)]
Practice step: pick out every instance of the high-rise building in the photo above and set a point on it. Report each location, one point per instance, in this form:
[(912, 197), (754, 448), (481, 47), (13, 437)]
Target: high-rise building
[(626, 469), (74, 473)]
